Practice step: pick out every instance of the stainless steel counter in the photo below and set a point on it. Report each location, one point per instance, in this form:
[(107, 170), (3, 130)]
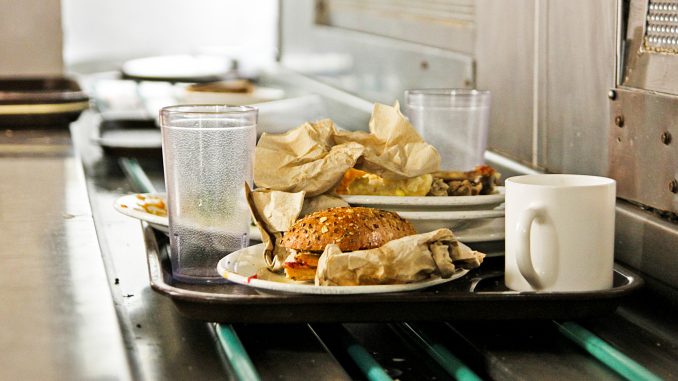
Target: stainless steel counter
[(58, 319), (162, 344)]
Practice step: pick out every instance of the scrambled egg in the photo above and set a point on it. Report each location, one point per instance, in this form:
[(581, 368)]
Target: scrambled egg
[(357, 182)]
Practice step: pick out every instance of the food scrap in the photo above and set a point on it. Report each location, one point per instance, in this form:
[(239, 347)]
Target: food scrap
[(151, 204)]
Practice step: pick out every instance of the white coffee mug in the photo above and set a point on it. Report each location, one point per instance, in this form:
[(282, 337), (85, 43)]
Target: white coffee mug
[(559, 233)]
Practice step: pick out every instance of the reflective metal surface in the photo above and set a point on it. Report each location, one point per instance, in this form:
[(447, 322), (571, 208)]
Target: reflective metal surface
[(162, 344), (642, 151), (648, 243), (375, 67), (641, 148), (549, 67), (446, 24), (509, 75), (645, 67), (578, 70), (58, 319)]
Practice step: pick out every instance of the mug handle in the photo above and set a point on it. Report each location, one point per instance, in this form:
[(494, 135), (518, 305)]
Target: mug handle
[(523, 254)]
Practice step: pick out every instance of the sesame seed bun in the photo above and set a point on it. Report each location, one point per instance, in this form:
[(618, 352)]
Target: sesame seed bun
[(350, 228)]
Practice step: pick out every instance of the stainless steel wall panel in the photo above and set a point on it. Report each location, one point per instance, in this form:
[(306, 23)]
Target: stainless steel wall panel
[(446, 24), (647, 242), (643, 148), (579, 71), (374, 67), (505, 66)]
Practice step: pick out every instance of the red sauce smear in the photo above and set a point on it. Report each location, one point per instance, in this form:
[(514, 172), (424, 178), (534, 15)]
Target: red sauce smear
[(249, 278)]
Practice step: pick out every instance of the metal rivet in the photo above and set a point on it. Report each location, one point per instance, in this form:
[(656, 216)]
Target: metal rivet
[(619, 121), (673, 186), (666, 137), (612, 94)]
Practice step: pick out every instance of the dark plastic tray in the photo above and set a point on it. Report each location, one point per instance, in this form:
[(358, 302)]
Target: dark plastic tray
[(480, 295), (40, 101), (129, 138)]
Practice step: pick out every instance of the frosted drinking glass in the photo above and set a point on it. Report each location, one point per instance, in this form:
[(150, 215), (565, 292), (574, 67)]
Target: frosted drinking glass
[(455, 121), (208, 154)]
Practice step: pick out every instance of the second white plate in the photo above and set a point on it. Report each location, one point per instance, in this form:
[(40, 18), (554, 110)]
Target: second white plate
[(468, 226), (131, 206), (457, 220), (429, 202)]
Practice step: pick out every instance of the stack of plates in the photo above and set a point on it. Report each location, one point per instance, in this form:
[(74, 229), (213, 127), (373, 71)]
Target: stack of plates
[(40, 102), (471, 218)]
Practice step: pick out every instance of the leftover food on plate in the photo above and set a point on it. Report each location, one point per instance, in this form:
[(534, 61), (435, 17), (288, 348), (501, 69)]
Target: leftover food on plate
[(389, 160), (148, 203), (350, 246), (480, 181), (232, 86), (235, 92), (360, 182), (348, 228)]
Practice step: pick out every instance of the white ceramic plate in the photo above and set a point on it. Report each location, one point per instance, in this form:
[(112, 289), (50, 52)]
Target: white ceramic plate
[(426, 221), (474, 226), (492, 230), (241, 267), (130, 205), (428, 202), (187, 67), (132, 138)]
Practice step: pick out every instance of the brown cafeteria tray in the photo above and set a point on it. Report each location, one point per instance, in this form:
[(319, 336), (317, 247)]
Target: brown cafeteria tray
[(480, 295), (40, 101)]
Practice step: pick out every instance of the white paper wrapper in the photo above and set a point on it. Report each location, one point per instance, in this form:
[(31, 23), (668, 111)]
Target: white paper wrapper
[(405, 260)]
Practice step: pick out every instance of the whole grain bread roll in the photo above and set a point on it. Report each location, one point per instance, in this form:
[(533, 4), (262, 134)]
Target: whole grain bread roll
[(350, 228)]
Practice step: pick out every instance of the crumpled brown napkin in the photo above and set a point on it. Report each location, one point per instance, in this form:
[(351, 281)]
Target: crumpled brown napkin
[(275, 212), (314, 156), (303, 159), (409, 259), (393, 148)]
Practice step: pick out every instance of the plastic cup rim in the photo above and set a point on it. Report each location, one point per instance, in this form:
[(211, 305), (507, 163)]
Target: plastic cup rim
[(204, 109), (591, 181), (447, 92)]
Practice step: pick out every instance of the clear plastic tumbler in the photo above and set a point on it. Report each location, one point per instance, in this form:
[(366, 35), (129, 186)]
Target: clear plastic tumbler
[(208, 153), (455, 121)]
